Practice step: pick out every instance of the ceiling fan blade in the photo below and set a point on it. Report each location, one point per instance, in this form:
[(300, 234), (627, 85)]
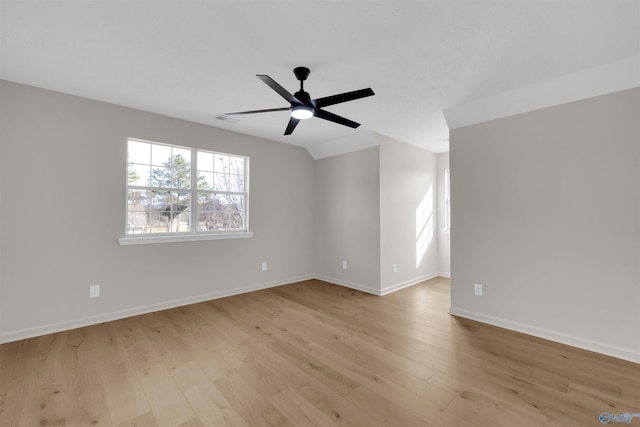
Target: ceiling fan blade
[(258, 111), (275, 86), (335, 118), (343, 97), (293, 122)]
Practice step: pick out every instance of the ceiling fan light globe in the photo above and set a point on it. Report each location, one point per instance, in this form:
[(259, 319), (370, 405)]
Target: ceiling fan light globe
[(301, 112)]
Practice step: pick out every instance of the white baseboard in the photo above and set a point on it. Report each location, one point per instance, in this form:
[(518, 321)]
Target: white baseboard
[(388, 289), (116, 315), (368, 289), (347, 284), (585, 344), (121, 314), (136, 311), (443, 274)]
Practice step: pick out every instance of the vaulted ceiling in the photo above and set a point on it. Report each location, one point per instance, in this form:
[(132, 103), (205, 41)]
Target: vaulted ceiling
[(195, 60)]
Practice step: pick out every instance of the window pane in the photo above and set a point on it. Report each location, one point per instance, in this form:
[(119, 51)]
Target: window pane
[(236, 183), (161, 177), (221, 221), (181, 172), (137, 200), (236, 202), (221, 182), (237, 165), (205, 180), (185, 153), (157, 203), (222, 163), (206, 216), (169, 212), (236, 221), (139, 152), (228, 212), (137, 212), (160, 200), (160, 154), (181, 212), (236, 212), (206, 202), (176, 173), (138, 174), (205, 161)]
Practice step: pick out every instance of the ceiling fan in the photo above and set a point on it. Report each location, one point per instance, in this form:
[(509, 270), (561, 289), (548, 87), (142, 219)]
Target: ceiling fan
[(303, 107)]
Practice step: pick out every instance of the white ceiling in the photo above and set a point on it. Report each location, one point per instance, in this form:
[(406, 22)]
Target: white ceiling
[(196, 59)]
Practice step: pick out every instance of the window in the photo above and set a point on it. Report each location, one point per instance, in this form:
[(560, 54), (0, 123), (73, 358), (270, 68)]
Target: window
[(447, 200), (180, 193)]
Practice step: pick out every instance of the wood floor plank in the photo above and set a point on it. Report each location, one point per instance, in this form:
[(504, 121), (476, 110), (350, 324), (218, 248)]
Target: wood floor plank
[(344, 410), (86, 385), (299, 411), (309, 354), (254, 408), (50, 385), (212, 408), (144, 420), (167, 402), (478, 399), (124, 395), (423, 403), (390, 414), (15, 375)]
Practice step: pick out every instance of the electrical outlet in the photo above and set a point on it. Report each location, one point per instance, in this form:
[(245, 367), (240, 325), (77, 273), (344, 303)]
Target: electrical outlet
[(264, 266), (344, 265), (395, 268), (478, 289), (94, 291)]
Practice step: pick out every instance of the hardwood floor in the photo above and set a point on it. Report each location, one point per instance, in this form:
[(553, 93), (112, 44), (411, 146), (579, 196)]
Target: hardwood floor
[(309, 354)]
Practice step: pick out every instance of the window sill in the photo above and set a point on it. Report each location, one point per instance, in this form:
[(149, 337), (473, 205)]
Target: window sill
[(146, 240)]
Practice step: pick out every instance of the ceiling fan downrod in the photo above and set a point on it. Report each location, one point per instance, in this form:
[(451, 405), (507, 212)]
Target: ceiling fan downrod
[(301, 74)]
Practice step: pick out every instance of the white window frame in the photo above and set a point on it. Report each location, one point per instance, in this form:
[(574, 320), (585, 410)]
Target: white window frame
[(194, 234)]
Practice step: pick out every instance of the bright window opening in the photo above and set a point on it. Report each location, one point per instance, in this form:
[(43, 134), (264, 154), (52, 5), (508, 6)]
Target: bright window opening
[(174, 190)]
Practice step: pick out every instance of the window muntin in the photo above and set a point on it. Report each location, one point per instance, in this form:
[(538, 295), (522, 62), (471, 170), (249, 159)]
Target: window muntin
[(175, 190)]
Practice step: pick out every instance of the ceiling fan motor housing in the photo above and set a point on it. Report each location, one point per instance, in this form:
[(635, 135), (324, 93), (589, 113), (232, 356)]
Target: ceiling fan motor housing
[(303, 97)]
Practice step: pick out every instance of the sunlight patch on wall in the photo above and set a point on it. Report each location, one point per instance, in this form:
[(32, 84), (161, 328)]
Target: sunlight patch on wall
[(424, 225)]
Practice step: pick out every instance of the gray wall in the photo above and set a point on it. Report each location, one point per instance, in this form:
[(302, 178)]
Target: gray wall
[(3, 125), (444, 236), (62, 180), (408, 217), (546, 215), (348, 219)]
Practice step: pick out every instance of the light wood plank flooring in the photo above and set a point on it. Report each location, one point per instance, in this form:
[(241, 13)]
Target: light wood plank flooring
[(309, 354)]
